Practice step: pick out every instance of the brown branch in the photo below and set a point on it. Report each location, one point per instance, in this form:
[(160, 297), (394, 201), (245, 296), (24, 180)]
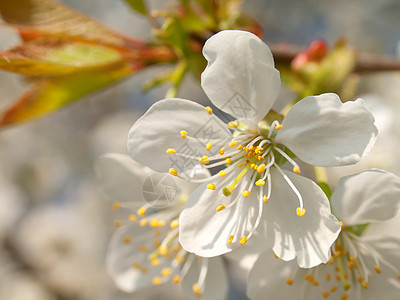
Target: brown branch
[(366, 63)]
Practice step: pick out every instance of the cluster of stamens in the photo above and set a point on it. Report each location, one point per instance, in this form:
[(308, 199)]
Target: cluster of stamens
[(250, 153), (160, 249), (347, 270)]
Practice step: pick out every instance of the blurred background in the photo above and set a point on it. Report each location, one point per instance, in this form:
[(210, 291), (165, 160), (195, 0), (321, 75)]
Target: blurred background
[(55, 223)]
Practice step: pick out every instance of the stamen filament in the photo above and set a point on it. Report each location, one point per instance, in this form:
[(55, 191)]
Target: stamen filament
[(292, 186), (296, 168)]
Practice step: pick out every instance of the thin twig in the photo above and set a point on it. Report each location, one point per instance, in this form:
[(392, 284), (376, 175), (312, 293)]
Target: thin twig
[(284, 53)]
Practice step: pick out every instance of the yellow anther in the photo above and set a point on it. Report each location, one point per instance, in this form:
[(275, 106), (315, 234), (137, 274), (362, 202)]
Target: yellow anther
[(325, 294), (163, 250), (334, 288), (116, 205), (118, 223), (328, 276), (222, 173), (144, 270), (221, 151), (183, 134), (155, 262), (289, 281), (300, 212), (127, 239), (350, 265), (204, 160), (265, 199), (154, 223), (296, 169), (157, 232), (398, 276), (260, 157), (240, 165), (260, 182), (261, 168), (174, 224), (220, 207), (364, 284), (156, 243), (209, 110), (359, 278), (173, 171), (141, 211), (247, 161), (179, 259), (253, 166), (341, 224), (276, 256), (233, 144), (230, 239), (208, 146), (196, 290), (165, 271), (246, 194), (309, 277), (330, 260), (243, 240), (132, 218), (211, 186), (157, 280), (233, 124), (239, 147), (278, 127), (171, 151), (143, 222), (176, 279), (136, 266), (315, 283), (143, 248), (228, 160), (345, 296), (227, 192)]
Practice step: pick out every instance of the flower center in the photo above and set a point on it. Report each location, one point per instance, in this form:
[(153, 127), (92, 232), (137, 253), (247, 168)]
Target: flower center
[(248, 157)]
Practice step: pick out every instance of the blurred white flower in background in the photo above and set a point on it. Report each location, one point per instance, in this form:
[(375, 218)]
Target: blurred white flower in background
[(65, 243)]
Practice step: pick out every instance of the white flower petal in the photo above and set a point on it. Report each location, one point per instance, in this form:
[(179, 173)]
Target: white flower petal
[(121, 257), (216, 283), (132, 184), (323, 131), (246, 255), (369, 196), (268, 277), (309, 237), (120, 177), (204, 231), (386, 283), (159, 129), (240, 77)]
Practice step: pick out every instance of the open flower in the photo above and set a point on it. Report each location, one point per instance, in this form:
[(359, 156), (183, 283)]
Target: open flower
[(175, 135), (364, 264), (144, 250)]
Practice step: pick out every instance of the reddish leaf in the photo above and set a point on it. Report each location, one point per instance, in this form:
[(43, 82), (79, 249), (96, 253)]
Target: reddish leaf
[(37, 17)]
